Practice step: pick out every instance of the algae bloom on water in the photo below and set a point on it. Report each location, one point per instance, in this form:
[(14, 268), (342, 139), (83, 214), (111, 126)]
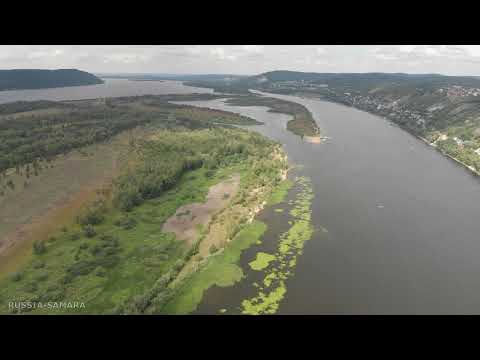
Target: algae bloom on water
[(262, 261), (273, 288)]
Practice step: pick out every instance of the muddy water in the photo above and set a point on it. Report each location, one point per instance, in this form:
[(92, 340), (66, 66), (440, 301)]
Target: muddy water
[(402, 229)]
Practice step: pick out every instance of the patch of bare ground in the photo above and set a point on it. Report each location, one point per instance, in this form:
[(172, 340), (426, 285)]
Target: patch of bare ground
[(187, 220), (224, 225)]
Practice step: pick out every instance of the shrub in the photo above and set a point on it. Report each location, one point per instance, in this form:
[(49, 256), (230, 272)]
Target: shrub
[(178, 265), (82, 267), (17, 276), (39, 264), (89, 231), (39, 247), (31, 287), (213, 249), (126, 223), (75, 236), (52, 294), (94, 215), (209, 174), (42, 276), (100, 271)]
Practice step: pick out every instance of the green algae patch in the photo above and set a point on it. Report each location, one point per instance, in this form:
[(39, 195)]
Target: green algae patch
[(220, 270), (280, 193), (273, 288), (265, 304), (262, 261)]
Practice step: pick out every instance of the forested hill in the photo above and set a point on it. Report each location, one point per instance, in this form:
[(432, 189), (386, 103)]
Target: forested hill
[(363, 82), (39, 79)]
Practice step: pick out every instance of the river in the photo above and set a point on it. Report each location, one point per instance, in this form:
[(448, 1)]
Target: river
[(111, 88), (402, 220)]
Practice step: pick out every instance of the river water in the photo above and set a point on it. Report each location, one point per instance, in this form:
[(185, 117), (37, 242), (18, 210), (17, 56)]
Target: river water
[(111, 88), (402, 220)]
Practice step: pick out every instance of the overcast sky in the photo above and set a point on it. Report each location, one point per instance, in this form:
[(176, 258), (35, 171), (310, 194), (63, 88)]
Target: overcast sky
[(245, 59)]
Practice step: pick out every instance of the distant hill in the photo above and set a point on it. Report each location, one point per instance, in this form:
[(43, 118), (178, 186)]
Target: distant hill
[(361, 80), (40, 79), (177, 77), (396, 82)]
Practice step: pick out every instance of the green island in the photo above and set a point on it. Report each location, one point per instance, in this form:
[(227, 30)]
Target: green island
[(114, 253), (302, 122)]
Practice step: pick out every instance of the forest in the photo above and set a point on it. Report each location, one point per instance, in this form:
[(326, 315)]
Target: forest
[(32, 133), (39, 79)]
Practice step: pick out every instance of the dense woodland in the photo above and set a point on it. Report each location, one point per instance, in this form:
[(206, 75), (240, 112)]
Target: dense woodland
[(35, 132), (39, 79)]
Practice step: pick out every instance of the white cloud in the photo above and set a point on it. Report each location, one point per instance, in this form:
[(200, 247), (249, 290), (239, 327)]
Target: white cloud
[(126, 58), (221, 54), (256, 49), (246, 59), (406, 48)]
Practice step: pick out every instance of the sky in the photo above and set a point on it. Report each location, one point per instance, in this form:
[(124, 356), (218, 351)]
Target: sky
[(245, 59)]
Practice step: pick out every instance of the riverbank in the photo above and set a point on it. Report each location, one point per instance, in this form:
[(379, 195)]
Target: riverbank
[(370, 258), (468, 167), (231, 231), (443, 152)]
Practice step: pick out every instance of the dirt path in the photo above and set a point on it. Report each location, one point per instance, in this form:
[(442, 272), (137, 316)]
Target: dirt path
[(188, 219)]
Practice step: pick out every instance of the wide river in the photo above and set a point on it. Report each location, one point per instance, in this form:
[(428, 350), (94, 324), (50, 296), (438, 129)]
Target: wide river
[(111, 88), (402, 221)]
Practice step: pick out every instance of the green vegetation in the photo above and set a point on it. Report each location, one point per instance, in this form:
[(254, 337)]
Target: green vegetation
[(32, 134), (115, 258), (280, 192), (221, 270), (262, 261), (302, 123), (280, 266), (38, 79)]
